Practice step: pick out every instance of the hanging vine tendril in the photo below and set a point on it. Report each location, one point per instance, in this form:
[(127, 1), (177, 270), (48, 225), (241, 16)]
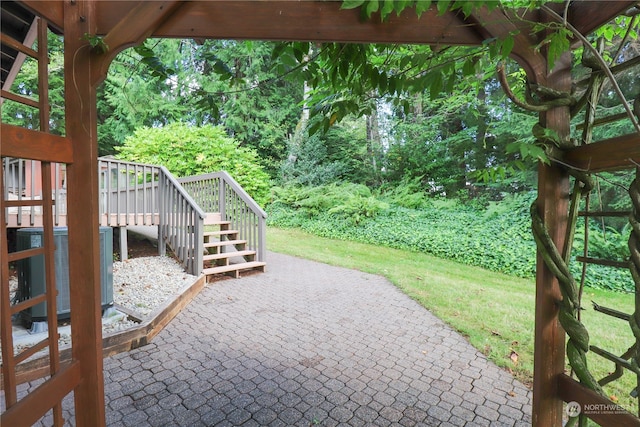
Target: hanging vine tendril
[(634, 262)]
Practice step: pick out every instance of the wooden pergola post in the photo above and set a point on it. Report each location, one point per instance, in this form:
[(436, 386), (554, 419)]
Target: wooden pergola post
[(82, 176), (553, 202)]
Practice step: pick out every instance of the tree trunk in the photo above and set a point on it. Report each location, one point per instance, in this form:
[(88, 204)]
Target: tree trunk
[(374, 145)]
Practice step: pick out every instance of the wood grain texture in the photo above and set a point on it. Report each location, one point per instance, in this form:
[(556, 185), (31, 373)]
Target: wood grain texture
[(31, 407), (34, 145), (622, 152), (552, 205), (306, 20), (82, 215), (51, 10), (587, 15)]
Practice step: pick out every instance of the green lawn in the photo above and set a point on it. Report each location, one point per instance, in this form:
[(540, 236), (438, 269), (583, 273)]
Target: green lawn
[(494, 311)]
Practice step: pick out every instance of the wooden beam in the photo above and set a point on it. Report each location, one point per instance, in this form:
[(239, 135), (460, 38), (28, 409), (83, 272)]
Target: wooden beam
[(552, 206), (622, 152), (306, 20), (596, 407), (497, 24), (83, 212), (139, 23), (588, 15), (34, 145), (51, 10)]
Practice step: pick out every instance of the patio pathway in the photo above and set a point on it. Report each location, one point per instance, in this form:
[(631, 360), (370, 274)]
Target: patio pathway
[(308, 344)]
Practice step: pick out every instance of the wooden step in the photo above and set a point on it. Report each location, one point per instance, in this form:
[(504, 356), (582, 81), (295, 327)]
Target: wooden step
[(224, 255), (224, 243), (212, 218), (220, 233), (235, 268)]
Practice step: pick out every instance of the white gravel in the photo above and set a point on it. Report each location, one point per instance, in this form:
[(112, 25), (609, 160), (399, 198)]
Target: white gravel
[(144, 284)]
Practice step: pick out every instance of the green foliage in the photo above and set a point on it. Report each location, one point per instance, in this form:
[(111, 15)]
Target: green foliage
[(26, 84), (216, 82), (387, 7), (492, 235), (96, 42), (608, 244), (152, 62), (348, 203), (408, 193), (443, 228), (189, 150), (308, 164)]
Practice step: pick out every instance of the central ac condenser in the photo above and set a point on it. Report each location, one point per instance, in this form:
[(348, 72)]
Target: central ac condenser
[(31, 271)]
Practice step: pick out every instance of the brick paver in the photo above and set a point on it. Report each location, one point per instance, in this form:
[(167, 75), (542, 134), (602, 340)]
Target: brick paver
[(306, 344)]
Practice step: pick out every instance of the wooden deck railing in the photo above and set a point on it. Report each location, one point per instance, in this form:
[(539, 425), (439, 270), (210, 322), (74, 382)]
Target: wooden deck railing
[(22, 182), (141, 194), (128, 193), (219, 192)]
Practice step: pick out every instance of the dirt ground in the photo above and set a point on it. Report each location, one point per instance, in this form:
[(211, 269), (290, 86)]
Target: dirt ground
[(138, 246)]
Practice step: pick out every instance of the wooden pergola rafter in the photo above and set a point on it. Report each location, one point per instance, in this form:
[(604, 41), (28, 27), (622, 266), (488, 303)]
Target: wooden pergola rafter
[(123, 24)]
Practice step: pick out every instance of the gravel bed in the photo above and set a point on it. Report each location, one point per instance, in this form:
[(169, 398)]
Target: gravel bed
[(140, 285), (144, 284)]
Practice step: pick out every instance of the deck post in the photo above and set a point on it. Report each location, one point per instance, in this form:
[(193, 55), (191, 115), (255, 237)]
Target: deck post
[(83, 212), (122, 241), (552, 203)]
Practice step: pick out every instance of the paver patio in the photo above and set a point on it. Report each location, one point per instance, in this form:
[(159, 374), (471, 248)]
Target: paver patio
[(308, 344)]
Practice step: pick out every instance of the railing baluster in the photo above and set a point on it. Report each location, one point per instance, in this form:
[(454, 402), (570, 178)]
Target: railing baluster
[(218, 192)]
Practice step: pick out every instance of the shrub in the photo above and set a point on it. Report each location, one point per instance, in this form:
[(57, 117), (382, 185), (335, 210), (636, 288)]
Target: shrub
[(189, 150), (351, 201)]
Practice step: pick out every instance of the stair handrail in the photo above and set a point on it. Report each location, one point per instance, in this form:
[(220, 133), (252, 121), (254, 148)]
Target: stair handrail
[(219, 192), (181, 223)]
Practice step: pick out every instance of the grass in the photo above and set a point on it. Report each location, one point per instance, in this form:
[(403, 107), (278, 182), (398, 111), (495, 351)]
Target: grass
[(494, 311)]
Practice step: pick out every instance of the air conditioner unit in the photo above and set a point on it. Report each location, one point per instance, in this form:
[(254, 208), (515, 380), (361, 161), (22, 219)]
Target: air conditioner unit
[(31, 271)]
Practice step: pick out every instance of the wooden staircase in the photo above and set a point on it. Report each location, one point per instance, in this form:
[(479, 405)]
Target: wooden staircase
[(225, 253)]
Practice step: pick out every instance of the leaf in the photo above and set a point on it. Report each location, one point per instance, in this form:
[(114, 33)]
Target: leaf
[(97, 43), (558, 44), (436, 86), (400, 5), (514, 357), (507, 46), (144, 51), (387, 8), (372, 6), (469, 68), (443, 6), (422, 6), (351, 4)]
